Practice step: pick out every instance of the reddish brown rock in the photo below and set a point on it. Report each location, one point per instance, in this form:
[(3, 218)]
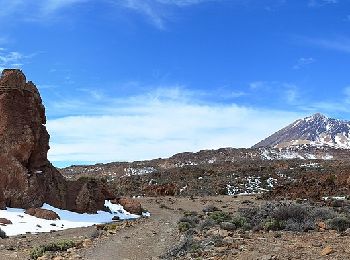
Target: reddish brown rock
[(327, 250), (27, 178), (5, 221), (42, 213), (168, 189), (129, 205)]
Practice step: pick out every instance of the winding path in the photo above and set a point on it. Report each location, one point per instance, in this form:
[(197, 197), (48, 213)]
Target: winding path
[(148, 240)]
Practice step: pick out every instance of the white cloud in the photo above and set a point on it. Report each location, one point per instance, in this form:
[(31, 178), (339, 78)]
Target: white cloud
[(158, 10), (151, 126), (303, 62), (13, 59), (341, 44), (318, 3), (10, 59)]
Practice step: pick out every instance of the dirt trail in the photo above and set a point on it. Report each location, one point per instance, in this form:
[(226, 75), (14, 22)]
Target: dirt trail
[(147, 241)]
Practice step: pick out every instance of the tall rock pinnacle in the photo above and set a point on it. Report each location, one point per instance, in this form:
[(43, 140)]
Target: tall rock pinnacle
[(27, 178)]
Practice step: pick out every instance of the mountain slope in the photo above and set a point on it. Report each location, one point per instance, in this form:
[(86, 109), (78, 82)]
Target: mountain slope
[(316, 130)]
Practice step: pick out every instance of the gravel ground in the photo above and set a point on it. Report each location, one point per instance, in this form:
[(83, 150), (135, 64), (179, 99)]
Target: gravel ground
[(150, 238)]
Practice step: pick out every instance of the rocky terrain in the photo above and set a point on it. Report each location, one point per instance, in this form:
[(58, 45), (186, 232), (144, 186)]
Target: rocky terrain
[(27, 178), (229, 171)]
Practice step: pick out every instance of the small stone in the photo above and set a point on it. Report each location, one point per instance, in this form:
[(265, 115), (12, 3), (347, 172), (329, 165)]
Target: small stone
[(44, 257), (58, 258), (266, 257), (321, 225), (87, 243), (327, 250), (116, 218)]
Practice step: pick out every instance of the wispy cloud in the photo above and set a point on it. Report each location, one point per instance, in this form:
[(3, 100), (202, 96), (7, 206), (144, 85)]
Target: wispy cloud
[(303, 62), (338, 105), (157, 11), (318, 3), (341, 44), (280, 90), (35, 10)]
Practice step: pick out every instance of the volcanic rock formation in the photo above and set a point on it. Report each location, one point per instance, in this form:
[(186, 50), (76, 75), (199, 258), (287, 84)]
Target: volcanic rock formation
[(315, 130), (27, 178)]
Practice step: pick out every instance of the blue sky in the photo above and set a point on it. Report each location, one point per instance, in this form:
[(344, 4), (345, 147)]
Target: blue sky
[(142, 79)]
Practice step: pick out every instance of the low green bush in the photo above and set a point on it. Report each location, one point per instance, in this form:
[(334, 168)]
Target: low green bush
[(184, 226), (340, 223), (62, 245), (220, 216), (273, 224), (240, 222)]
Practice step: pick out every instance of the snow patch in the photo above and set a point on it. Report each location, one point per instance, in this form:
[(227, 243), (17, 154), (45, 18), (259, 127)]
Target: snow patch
[(24, 223)]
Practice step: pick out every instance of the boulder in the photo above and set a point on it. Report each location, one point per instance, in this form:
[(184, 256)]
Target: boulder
[(27, 178), (42, 213), (130, 205), (5, 221)]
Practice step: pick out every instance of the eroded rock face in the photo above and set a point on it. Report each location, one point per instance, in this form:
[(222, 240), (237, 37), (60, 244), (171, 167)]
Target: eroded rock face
[(27, 178)]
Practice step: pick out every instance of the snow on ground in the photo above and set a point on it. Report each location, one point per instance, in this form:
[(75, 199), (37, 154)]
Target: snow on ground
[(250, 185), (23, 223), (334, 198), (138, 171)]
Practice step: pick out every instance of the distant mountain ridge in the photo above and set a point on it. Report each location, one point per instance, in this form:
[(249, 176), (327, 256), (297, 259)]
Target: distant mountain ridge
[(315, 130)]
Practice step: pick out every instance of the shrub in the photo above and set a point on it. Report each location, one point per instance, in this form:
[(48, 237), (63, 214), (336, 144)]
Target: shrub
[(207, 224), (339, 223), (241, 222), (220, 216), (228, 226), (111, 226), (322, 214), (210, 208), (184, 226), (273, 224), (294, 212), (290, 216), (192, 220), (2, 234), (39, 251), (190, 213)]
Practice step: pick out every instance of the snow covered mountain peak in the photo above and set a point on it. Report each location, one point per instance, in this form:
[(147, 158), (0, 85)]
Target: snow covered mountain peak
[(315, 130)]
